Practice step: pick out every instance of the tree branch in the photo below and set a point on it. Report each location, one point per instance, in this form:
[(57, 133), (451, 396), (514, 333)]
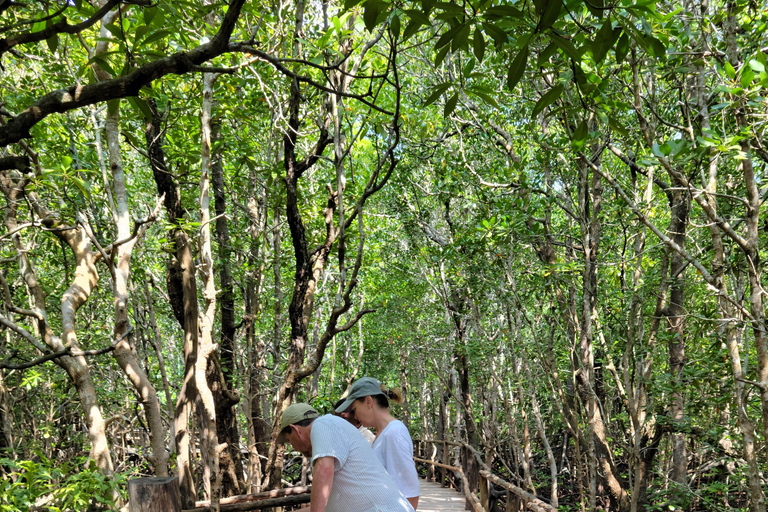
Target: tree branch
[(60, 27), (73, 97), (276, 63)]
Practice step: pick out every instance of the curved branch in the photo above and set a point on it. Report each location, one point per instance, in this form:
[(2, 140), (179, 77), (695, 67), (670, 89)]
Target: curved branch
[(276, 63), (64, 100), (60, 27)]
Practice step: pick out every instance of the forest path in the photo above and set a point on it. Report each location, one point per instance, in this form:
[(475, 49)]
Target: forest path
[(439, 499)]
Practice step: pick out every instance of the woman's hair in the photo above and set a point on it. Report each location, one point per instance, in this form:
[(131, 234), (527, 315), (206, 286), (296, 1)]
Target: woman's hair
[(394, 394)]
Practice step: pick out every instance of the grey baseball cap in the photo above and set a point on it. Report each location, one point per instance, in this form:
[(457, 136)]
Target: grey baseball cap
[(293, 414), (366, 386)]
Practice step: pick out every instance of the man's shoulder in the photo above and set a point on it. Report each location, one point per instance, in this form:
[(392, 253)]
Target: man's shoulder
[(331, 423)]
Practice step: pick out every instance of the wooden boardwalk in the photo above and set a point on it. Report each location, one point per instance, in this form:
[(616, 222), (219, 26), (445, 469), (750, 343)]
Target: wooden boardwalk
[(439, 499)]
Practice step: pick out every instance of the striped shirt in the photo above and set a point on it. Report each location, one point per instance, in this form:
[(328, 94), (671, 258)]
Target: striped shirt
[(360, 482)]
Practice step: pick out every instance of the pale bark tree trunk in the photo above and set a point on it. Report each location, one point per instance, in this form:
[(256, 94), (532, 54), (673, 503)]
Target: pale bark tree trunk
[(542, 432), (85, 279), (125, 352), (212, 471), (182, 293), (728, 328), (157, 343)]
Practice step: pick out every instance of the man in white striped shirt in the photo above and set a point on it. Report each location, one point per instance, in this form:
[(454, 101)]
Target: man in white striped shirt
[(347, 476)]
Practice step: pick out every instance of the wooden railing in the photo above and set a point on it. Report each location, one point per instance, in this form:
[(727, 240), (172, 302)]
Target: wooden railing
[(278, 498), (475, 475)]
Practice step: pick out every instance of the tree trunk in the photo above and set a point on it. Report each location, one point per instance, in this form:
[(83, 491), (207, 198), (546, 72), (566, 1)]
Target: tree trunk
[(221, 378), (182, 292)]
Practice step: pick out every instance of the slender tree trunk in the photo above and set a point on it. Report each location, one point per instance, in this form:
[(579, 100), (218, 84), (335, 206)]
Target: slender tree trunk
[(182, 292), (125, 352), (590, 204), (221, 377), (205, 356), (675, 315)]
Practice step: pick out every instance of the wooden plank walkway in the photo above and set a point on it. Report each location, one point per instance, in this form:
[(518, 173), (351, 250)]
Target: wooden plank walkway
[(439, 499)]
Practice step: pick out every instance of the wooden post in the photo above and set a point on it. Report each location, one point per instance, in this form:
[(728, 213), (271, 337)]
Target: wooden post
[(484, 494), (155, 494)]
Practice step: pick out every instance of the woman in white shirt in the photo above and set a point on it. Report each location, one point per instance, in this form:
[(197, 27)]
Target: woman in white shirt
[(368, 400)]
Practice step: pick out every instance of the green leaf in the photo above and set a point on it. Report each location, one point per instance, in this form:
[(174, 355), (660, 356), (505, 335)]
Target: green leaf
[(478, 45), (411, 29), (497, 34), (517, 68), (747, 76), (622, 48), (604, 41), (53, 42), (656, 47), (467, 71), (437, 91), (616, 125), (371, 13), (450, 105), (141, 107), (550, 97), (418, 16), (581, 131), (149, 14), (103, 64), (579, 136), (551, 13), (484, 94), (504, 11), (566, 46), (115, 30), (441, 55), (729, 70), (756, 66), (154, 36), (461, 38), (546, 53), (594, 7), (113, 106), (394, 26), (141, 32), (82, 185), (448, 36)]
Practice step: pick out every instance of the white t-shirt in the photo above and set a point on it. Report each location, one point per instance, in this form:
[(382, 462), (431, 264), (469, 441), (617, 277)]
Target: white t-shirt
[(394, 448), (360, 482)]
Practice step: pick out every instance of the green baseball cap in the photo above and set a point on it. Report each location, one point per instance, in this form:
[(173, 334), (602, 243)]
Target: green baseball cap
[(366, 386), (293, 414)]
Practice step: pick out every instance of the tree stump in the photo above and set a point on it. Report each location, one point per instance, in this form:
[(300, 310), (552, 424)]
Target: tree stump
[(156, 494)]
